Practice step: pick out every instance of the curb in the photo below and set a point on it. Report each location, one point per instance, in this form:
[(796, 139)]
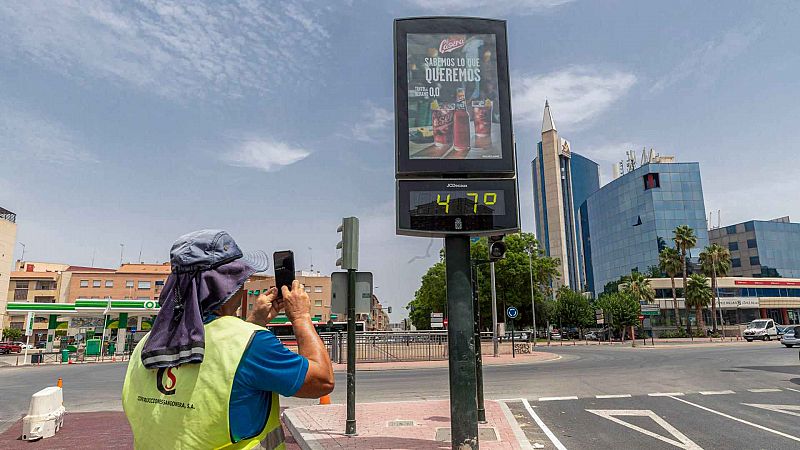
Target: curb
[(288, 416), (444, 365)]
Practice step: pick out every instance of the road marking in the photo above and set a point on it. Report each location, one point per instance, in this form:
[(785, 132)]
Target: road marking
[(681, 442), (522, 440), (613, 396), (792, 410), (761, 391), (544, 428), (551, 399), (760, 427), (796, 390), (666, 394), (716, 392)]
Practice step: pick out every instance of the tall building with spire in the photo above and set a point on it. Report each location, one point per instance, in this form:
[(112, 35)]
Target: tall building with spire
[(562, 181)]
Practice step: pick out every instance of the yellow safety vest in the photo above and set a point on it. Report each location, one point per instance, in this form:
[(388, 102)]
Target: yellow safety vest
[(188, 406)]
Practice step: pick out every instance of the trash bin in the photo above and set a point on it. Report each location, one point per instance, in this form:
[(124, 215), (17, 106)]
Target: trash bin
[(65, 356), (111, 348), (36, 358)]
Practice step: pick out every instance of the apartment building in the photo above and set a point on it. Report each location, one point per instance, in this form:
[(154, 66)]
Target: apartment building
[(8, 239), (129, 282)]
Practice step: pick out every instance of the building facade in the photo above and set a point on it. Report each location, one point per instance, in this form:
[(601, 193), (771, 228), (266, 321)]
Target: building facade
[(633, 217), (761, 248), (8, 240), (129, 282), (562, 181)]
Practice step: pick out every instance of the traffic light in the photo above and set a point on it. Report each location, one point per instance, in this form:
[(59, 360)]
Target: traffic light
[(497, 248), (348, 244)]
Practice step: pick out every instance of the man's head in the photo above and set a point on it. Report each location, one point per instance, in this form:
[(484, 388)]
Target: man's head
[(231, 307)]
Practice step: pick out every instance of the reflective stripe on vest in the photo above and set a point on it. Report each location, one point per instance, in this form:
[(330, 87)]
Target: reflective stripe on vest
[(189, 406)]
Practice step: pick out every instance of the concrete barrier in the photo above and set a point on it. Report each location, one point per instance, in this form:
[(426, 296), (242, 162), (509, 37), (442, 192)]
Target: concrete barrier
[(45, 415)]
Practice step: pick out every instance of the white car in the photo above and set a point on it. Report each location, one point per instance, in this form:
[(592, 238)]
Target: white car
[(763, 329), (23, 345), (791, 337)]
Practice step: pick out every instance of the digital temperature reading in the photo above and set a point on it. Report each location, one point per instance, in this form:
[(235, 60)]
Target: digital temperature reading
[(457, 203)]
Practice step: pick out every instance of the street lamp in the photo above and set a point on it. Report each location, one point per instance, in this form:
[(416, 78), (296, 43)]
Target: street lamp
[(533, 301)]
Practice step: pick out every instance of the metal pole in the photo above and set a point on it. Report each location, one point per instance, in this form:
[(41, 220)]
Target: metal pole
[(350, 424), (719, 303), (513, 343), (461, 345), (533, 301), (478, 350), (495, 343)]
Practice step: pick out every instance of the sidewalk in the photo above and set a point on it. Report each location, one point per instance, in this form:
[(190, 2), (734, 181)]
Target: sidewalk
[(488, 360), (395, 425)]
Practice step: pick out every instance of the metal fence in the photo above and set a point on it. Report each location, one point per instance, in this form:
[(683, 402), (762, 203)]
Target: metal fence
[(386, 346)]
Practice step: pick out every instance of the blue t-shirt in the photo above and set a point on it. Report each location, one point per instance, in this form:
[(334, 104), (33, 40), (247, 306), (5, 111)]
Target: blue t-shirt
[(267, 366)]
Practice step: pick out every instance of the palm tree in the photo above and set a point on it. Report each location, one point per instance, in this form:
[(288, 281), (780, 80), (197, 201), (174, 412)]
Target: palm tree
[(715, 261), (638, 287), (685, 239), (698, 294), (669, 260)]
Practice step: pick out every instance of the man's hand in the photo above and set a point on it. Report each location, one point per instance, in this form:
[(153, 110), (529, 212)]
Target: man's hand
[(296, 302), (265, 308)]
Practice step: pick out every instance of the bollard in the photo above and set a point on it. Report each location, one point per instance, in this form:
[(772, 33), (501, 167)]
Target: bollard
[(60, 383), (325, 400)]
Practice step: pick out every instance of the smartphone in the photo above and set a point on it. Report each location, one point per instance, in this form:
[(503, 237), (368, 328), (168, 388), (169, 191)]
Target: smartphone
[(284, 269)]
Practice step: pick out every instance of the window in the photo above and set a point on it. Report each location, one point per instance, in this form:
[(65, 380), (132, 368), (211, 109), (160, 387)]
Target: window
[(730, 229), (109, 283), (159, 283), (128, 283), (97, 283), (317, 302), (45, 285), (84, 283), (754, 261), (748, 226), (751, 243), (736, 262), (651, 181), (143, 285), (38, 299), (308, 288), (317, 288), (142, 298), (733, 246)]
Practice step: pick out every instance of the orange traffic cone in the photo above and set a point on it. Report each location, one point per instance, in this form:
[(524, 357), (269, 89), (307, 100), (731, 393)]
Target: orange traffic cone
[(325, 400), (60, 383)]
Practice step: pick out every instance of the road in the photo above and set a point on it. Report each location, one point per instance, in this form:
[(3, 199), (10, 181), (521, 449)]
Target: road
[(691, 389)]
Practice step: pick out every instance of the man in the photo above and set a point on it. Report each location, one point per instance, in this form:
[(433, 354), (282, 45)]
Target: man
[(203, 378)]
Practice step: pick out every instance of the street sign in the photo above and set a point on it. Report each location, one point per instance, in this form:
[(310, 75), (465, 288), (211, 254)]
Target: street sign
[(599, 317), (512, 312), (641, 317), (437, 320), (339, 292), (29, 324), (650, 309)]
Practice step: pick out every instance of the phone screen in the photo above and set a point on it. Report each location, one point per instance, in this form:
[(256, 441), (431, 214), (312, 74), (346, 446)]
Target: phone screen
[(284, 269)]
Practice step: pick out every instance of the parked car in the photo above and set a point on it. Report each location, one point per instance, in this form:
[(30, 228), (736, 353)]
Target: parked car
[(782, 329), (9, 347), (791, 337), (591, 336), (555, 335), (763, 329), (23, 345)]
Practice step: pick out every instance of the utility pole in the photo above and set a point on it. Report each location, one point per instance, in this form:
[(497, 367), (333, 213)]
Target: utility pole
[(349, 260), (461, 345), (716, 293), (495, 343), (478, 350)]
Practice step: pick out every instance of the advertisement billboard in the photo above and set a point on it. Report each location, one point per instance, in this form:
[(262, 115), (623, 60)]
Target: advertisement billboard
[(452, 98)]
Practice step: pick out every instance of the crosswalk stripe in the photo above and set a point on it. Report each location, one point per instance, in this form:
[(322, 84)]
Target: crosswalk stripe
[(716, 392), (666, 394), (613, 396), (550, 399), (761, 391)]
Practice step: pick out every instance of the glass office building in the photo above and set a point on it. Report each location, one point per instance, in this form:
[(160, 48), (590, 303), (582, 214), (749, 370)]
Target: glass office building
[(761, 248), (633, 217)]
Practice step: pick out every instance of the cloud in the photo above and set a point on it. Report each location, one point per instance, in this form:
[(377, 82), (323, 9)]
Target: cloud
[(172, 48), (706, 63), (489, 6), (608, 154), (264, 154), (27, 136), (375, 123), (577, 94)]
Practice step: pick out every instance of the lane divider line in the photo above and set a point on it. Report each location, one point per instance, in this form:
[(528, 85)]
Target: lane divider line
[(716, 392), (727, 416), (613, 396), (552, 399), (666, 394), (761, 391), (544, 428), (796, 390)]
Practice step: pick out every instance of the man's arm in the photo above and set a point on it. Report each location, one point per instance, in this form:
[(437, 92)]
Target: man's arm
[(319, 377)]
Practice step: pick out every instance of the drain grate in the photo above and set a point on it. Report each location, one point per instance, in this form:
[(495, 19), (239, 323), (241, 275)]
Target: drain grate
[(401, 423)]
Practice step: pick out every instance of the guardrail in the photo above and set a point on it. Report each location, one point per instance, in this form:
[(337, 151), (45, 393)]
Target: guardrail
[(389, 346)]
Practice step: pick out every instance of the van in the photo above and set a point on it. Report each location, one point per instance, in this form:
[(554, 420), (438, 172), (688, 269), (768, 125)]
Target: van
[(763, 329)]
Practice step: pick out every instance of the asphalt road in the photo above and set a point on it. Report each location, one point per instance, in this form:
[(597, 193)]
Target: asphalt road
[(583, 373)]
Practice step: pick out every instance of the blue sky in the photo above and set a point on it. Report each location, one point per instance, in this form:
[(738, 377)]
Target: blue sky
[(135, 122)]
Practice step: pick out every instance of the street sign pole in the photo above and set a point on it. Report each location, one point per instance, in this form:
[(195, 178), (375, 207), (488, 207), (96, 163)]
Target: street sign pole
[(495, 343), (461, 345), (350, 424), (478, 350), (513, 343)]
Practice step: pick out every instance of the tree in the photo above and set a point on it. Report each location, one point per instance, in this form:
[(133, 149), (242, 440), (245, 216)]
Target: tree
[(669, 260), (430, 297), (573, 309), (12, 334), (685, 239), (715, 261), (698, 295), (622, 309), (638, 286)]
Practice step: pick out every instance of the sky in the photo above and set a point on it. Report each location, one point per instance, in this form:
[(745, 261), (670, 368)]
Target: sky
[(124, 125)]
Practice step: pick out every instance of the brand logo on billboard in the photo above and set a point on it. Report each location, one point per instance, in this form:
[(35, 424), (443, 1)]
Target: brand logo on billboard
[(166, 387), (448, 45), (456, 185)]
